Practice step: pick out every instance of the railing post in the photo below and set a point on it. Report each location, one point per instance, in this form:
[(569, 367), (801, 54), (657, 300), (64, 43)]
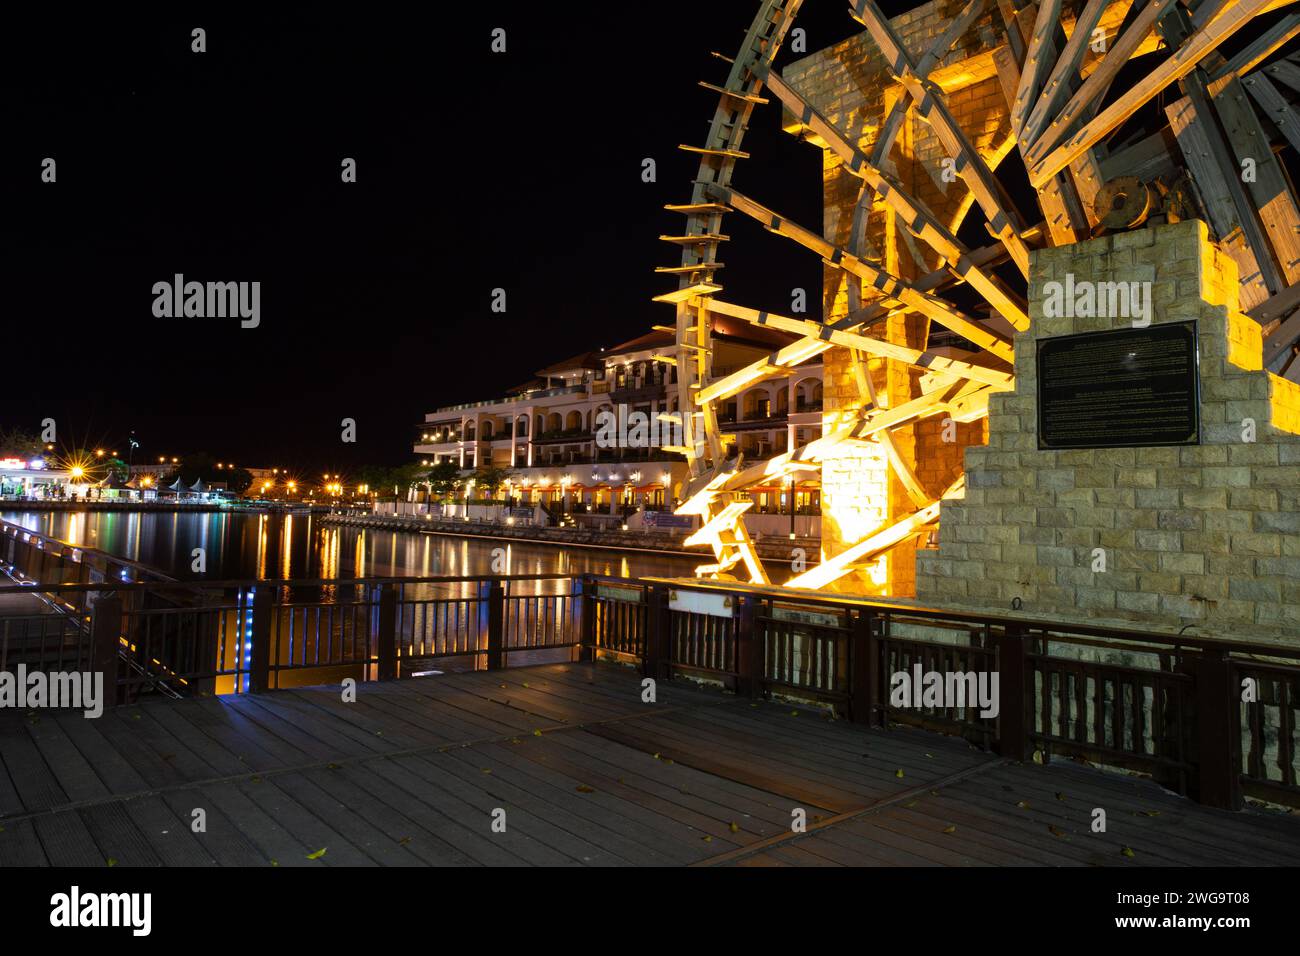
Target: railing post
[(259, 658), (386, 632), (105, 630), (656, 632), (1217, 732), (586, 618), (496, 605), (864, 657), (1013, 736), (749, 650)]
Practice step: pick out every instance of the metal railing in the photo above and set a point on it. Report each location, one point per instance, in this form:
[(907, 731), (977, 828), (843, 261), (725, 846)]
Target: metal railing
[(1215, 719)]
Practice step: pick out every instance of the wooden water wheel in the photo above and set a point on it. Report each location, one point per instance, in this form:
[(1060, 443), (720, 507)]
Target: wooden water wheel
[(1064, 111)]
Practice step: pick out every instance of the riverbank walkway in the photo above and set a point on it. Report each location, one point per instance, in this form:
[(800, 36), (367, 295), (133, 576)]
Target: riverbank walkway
[(573, 768)]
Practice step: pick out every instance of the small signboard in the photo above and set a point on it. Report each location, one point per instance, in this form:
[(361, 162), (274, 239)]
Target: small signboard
[(612, 592), (701, 602), (1120, 388), (666, 519)]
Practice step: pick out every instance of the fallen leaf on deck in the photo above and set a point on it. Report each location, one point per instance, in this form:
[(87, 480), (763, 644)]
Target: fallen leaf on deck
[(1023, 805), (318, 854), (898, 773), (583, 788), (1126, 851), (1055, 831), (735, 827), (112, 862), (950, 828)]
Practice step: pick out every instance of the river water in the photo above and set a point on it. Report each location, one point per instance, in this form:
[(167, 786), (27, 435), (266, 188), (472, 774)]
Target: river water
[(246, 545)]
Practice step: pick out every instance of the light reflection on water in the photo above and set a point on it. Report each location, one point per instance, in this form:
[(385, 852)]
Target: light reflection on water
[(243, 545), (313, 622)]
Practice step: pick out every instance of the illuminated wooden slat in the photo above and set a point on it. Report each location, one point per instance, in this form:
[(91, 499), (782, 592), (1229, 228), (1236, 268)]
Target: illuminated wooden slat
[(724, 519), (688, 292), (1260, 49), (734, 94), (707, 151), (687, 270), (913, 357), (1038, 61), (915, 214), (695, 240), (901, 467), (1066, 69), (691, 208), (929, 60), (1207, 38), (931, 106), (890, 286), (884, 538)]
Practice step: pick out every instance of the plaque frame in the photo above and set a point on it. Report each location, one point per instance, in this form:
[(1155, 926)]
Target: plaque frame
[(1195, 439)]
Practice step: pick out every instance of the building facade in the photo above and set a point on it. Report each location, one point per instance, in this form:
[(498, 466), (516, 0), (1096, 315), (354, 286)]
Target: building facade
[(596, 432)]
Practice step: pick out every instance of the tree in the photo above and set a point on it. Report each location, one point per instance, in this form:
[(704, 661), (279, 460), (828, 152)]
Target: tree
[(20, 443), (443, 480), (491, 477)]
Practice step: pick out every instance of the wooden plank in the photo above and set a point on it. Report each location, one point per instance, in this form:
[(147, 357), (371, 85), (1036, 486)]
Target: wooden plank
[(1062, 211), (1259, 49), (1004, 220), (66, 840), (1194, 141), (36, 786), (916, 216), (1269, 189), (1273, 105), (1203, 41), (890, 286), (956, 29), (117, 836), (1039, 59), (20, 845), (1058, 84), (929, 360)]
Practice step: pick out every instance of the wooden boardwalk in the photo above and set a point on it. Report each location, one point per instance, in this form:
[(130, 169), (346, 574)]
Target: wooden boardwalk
[(586, 773)]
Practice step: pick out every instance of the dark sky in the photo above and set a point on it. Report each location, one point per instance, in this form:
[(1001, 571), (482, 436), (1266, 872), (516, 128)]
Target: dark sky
[(475, 171)]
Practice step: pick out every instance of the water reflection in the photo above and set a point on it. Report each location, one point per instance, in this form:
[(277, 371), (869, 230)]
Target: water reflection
[(241, 545)]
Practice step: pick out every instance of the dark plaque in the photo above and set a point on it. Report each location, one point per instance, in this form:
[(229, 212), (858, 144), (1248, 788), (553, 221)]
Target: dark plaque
[(1122, 388)]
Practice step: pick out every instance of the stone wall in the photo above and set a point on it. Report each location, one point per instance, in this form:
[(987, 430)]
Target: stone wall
[(1206, 534)]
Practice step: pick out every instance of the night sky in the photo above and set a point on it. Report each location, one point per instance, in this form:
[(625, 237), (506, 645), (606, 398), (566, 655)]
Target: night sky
[(475, 171)]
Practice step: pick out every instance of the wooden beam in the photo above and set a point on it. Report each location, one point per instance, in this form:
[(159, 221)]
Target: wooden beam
[(1093, 89), (1181, 63), (880, 540), (918, 359), (1259, 49), (1066, 219), (1058, 83), (915, 214), (929, 60), (1039, 59), (1192, 130), (1270, 189), (931, 106), (1280, 342), (890, 286), (1276, 107)]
